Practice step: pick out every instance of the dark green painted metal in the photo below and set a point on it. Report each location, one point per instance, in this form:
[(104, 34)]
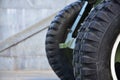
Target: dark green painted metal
[(97, 2), (117, 57)]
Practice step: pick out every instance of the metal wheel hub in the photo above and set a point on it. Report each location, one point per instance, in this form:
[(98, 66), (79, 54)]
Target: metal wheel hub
[(115, 57)]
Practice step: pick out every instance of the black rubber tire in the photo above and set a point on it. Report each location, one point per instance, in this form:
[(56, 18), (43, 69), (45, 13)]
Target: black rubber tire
[(57, 32), (95, 40)]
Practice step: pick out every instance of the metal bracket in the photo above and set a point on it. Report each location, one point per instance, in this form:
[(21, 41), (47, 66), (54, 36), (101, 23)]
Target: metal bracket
[(70, 41)]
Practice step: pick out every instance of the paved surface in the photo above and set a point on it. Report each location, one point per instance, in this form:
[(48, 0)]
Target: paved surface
[(33, 75)]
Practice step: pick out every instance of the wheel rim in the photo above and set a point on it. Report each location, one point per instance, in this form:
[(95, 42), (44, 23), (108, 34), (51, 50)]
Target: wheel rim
[(114, 57)]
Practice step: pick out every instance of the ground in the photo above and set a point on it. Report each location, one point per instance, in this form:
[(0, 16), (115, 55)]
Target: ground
[(42, 75)]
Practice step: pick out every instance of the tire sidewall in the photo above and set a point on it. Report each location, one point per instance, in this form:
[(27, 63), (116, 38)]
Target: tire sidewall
[(105, 49)]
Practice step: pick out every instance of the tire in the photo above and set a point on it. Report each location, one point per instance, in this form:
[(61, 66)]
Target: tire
[(61, 59), (95, 40)]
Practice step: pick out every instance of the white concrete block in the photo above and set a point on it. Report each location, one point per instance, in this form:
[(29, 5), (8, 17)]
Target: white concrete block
[(34, 46), (7, 63), (32, 63)]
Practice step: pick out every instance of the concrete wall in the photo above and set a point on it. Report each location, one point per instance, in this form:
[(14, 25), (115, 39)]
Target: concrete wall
[(34, 4), (13, 21), (17, 15), (27, 55), (26, 50)]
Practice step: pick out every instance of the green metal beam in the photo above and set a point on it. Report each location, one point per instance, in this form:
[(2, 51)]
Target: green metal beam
[(117, 57)]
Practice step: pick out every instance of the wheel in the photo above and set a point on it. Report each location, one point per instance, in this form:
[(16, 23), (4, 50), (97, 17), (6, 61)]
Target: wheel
[(61, 59), (95, 43)]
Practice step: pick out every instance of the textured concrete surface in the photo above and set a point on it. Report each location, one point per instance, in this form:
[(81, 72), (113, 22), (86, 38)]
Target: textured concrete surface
[(31, 31), (17, 15), (13, 21), (26, 55), (34, 4), (33, 75), (26, 58)]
